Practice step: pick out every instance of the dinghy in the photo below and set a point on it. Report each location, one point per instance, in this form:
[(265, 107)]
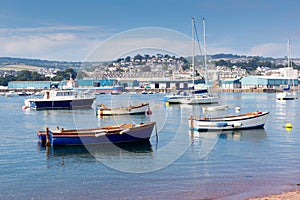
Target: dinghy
[(102, 135), (245, 121), (142, 108)]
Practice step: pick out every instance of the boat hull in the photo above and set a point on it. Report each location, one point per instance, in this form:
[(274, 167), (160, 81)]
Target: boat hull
[(97, 136), (132, 110), (246, 121), (40, 104), (190, 99), (175, 99), (200, 100), (286, 96)]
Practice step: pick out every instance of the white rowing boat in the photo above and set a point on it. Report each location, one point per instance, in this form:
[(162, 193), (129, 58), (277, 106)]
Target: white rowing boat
[(142, 108), (245, 121)]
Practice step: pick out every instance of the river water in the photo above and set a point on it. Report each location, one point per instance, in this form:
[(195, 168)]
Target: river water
[(175, 164)]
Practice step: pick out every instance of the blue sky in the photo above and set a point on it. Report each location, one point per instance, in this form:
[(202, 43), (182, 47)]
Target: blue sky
[(70, 30)]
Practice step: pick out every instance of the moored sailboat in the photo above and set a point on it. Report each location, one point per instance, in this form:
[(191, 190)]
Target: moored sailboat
[(196, 95), (287, 93), (203, 97)]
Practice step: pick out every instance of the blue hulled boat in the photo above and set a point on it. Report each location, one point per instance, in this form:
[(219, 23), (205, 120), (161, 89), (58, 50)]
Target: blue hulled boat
[(61, 99), (109, 134)]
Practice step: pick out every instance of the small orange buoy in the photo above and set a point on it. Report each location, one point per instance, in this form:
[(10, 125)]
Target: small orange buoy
[(149, 112), (24, 107)]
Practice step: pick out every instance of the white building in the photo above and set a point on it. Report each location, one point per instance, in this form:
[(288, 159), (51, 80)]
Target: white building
[(286, 72)]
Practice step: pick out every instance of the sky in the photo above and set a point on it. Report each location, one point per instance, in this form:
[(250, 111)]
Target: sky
[(77, 30)]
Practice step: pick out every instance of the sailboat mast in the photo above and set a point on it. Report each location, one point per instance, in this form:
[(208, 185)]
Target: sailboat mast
[(289, 62), (193, 50), (204, 44), (290, 71), (289, 52)]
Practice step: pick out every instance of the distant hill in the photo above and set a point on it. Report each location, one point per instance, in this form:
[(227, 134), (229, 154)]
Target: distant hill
[(19, 67), (9, 61), (222, 55)]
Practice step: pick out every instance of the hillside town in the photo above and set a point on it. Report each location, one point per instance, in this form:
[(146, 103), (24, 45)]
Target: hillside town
[(170, 72)]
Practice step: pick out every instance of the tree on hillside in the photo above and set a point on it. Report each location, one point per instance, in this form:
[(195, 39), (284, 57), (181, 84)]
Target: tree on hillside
[(24, 75), (127, 59), (65, 75), (182, 59), (223, 63), (164, 67), (81, 75), (146, 56), (138, 57), (4, 80), (71, 73)]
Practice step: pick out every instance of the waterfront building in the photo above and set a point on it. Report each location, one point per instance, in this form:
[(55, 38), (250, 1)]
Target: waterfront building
[(32, 84), (267, 82), (129, 83), (231, 83), (173, 84), (96, 83)]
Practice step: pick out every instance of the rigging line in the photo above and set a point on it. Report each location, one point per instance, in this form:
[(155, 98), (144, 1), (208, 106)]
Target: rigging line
[(156, 136), (197, 38)]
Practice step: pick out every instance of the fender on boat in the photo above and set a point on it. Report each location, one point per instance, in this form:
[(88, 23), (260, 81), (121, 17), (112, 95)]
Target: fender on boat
[(235, 124), (125, 131), (221, 124), (100, 133)]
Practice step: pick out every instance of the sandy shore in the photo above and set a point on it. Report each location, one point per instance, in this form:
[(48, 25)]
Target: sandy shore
[(292, 195)]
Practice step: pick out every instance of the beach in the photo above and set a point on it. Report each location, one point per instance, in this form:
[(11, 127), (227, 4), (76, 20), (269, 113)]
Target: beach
[(291, 195)]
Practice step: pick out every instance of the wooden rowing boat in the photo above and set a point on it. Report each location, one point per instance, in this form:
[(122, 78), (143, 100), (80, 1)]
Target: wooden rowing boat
[(108, 134), (102, 110)]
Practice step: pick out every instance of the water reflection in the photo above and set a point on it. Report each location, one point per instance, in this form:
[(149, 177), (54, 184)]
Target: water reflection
[(204, 142), (76, 153), (120, 119), (245, 135)]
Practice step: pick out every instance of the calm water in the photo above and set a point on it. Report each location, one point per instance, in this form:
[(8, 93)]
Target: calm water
[(181, 164)]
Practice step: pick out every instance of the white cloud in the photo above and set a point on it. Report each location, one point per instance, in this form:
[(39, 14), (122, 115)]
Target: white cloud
[(67, 43), (79, 42), (53, 43), (218, 50), (269, 49), (61, 37), (153, 38), (47, 29)]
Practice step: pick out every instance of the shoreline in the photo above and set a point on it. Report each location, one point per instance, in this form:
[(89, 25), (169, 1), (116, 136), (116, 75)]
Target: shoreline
[(290, 195), (139, 90)]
